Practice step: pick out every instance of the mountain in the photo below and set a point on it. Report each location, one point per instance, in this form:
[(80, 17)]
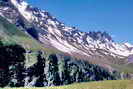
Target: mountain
[(22, 66), (47, 41), (24, 62)]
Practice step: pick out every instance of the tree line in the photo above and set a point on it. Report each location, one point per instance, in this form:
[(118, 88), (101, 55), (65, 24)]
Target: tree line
[(53, 70)]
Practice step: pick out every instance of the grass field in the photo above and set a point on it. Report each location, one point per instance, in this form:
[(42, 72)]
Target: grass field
[(115, 84)]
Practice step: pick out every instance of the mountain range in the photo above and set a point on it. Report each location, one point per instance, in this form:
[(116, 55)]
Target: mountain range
[(37, 31)]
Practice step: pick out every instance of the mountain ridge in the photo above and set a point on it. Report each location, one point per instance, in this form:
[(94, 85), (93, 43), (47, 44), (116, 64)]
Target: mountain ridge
[(96, 47)]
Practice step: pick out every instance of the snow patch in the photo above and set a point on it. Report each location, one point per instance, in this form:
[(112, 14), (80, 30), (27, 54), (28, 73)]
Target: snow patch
[(128, 45), (22, 9)]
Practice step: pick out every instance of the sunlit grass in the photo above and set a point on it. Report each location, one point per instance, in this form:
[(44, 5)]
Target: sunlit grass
[(115, 84), (124, 68)]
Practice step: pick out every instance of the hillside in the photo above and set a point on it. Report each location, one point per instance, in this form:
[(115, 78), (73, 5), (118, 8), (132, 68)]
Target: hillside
[(19, 64), (37, 69), (119, 84), (10, 34)]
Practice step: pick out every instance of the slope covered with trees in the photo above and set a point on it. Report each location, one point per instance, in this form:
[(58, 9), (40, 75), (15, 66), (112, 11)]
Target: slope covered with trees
[(48, 70)]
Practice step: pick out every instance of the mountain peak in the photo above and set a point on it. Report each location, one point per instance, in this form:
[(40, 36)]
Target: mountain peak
[(102, 36), (21, 7), (51, 32), (19, 1)]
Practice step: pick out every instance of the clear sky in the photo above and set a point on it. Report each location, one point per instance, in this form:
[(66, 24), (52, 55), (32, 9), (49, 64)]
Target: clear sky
[(113, 16)]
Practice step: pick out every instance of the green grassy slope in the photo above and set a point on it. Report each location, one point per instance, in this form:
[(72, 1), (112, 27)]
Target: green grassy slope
[(10, 34), (124, 68), (115, 84)]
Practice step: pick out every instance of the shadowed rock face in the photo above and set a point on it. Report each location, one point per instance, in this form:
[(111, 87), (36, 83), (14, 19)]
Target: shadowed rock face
[(33, 33), (53, 70)]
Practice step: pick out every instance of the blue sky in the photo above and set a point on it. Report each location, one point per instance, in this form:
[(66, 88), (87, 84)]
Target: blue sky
[(113, 16)]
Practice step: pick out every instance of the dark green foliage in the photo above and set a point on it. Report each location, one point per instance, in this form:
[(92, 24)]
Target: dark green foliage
[(11, 65), (52, 75), (64, 71), (1, 44), (16, 75), (4, 78), (37, 70), (10, 55), (116, 75), (47, 71), (80, 71)]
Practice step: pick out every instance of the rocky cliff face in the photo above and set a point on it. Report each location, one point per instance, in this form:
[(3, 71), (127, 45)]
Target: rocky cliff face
[(17, 70)]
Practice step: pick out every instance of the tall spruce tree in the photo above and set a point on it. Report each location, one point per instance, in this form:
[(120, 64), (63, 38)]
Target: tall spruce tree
[(51, 70)]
